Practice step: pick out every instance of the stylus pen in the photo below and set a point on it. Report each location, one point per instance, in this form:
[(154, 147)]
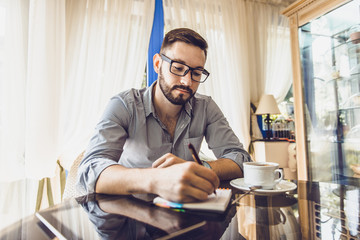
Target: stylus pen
[(196, 157)]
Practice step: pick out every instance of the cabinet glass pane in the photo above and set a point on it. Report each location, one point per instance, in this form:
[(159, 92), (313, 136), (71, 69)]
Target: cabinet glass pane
[(330, 56)]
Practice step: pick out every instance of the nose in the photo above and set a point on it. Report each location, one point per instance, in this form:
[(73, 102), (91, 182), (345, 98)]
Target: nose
[(186, 80)]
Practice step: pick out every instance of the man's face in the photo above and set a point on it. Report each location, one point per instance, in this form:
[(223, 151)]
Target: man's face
[(179, 89)]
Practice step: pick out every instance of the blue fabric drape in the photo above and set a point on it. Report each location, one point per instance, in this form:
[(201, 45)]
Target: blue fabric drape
[(157, 35)]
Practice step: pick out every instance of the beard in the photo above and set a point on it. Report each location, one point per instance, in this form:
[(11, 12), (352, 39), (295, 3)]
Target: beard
[(167, 91)]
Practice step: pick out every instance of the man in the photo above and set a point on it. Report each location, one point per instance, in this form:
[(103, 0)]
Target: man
[(141, 142)]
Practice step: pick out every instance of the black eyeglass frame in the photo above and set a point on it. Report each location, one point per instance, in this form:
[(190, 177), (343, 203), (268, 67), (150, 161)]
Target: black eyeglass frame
[(204, 71)]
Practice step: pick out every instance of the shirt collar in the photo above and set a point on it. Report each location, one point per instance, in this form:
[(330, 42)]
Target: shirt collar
[(149, 106)]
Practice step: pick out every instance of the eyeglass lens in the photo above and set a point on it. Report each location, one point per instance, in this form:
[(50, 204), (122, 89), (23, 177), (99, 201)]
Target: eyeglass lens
[(181, 70)]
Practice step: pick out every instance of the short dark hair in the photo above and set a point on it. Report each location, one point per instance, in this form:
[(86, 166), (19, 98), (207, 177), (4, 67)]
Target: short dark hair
[(185, 35)]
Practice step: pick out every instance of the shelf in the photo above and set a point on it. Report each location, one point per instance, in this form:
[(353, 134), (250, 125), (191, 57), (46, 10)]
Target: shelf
[(348, 108), (340, 79)]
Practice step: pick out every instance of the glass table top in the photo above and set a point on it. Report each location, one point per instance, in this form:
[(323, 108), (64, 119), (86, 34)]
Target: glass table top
[(315, 210)]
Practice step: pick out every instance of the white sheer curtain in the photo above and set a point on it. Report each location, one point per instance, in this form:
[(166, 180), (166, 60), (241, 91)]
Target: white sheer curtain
[(265, 44), (60, 62), (106, 52), (32, 63), (263, 40), (248, 52), (30, 81)]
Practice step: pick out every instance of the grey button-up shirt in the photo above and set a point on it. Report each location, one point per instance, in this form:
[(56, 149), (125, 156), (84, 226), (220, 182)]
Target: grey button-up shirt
[(130, 133)]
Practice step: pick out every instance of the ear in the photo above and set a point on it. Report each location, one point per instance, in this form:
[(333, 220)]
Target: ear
[(156, 62)]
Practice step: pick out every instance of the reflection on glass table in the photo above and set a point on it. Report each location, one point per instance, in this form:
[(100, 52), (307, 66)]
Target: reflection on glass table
[(268, 218), (314, 210)]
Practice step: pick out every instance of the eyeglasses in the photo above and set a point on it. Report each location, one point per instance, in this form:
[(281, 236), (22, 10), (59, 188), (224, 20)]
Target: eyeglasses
[(180, 69)]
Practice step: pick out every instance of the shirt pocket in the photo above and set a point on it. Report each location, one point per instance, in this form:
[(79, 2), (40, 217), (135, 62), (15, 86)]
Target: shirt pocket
[(196, 142)]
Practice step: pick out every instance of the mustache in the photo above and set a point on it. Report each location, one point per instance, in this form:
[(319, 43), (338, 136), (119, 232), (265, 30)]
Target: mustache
[(183, 88)]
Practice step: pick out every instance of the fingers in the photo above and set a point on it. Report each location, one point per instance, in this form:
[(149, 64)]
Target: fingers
[(200, 177), (185, 182), (186, 193), (183, 192), (167, 160), (165, 163), (195, 182), (158, 162), (206, 180)]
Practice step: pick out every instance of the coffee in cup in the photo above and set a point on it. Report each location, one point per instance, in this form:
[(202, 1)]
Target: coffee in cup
[(264, 174)]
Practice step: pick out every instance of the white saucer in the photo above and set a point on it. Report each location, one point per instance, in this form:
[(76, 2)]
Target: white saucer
[(282, 187)]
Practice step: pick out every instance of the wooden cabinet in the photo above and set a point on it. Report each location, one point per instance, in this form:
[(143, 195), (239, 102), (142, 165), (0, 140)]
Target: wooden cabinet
[(326, 87)]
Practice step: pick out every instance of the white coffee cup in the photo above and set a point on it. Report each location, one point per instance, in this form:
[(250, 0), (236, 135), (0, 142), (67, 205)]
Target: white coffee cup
[(264, 174)]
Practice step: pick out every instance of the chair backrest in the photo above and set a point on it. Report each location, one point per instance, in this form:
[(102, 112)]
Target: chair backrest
[(70, 186)]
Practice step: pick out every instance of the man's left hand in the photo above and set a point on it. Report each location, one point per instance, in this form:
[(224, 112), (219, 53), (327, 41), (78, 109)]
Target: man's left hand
[(167, 160)]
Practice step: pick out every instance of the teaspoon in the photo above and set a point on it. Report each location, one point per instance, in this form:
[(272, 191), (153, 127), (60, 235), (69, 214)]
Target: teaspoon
[(252, 188)]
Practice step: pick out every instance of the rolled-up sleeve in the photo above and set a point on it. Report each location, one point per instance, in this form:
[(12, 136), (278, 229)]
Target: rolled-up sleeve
[(89, 173), (106, 145), (221, 138)]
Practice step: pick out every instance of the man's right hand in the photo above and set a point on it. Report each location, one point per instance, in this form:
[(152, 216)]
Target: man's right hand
[(184, 182), (178, 180)]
